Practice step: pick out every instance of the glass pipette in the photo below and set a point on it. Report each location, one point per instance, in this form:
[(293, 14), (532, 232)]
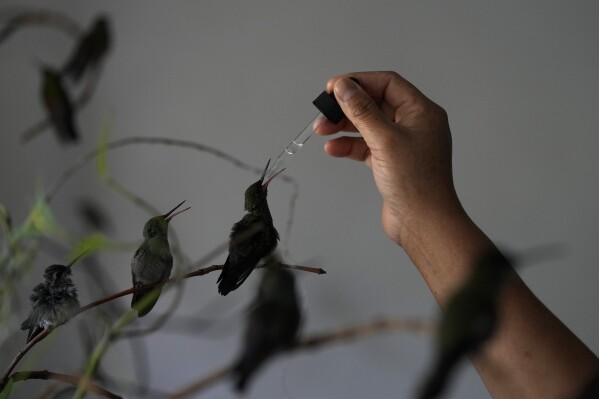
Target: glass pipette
[(328, 106), (292, 148)]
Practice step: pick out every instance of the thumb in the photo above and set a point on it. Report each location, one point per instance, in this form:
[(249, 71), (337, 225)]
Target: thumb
[(363, 112)]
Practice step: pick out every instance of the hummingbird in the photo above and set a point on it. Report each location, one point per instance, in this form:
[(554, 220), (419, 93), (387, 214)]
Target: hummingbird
[(470, 319), (58, 105), (89, 50), (53, 302), (252, 238), (272, 325), (152, 262)]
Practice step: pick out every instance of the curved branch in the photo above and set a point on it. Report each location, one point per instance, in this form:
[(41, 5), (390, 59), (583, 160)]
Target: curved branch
[(203, 383), (66, 378), (67, 174), (314, 341), (48, 18)]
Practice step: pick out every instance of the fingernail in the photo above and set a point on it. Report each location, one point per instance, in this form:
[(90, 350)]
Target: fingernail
[(320, 119), (345, 88)]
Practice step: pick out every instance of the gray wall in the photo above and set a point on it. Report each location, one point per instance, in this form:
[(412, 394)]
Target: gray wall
[(518, 79)]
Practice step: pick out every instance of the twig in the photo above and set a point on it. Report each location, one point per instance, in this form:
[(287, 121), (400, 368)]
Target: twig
[(66, 378), (203, 383), (314, 341), (155, 141), (48, 18), (411, 325), (20, 355), (315, 270)]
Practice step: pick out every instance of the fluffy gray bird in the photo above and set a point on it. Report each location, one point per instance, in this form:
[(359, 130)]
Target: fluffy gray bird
[(272, 325), (152, 262), (53, 302)]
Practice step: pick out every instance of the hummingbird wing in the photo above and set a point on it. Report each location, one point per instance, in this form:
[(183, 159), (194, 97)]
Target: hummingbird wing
[(245, 251), (149, 268), (60, 110), (36, 322)]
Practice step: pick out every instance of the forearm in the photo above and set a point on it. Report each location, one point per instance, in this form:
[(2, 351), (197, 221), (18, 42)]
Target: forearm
[(532, 354)]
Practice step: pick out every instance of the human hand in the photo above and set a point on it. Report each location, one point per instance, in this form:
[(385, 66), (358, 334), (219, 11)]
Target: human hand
[(405, 140)]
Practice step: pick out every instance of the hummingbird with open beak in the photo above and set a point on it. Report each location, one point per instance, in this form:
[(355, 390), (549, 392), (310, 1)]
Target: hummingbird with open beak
[(54, 301), (58, 105), (272, 325), (89, 50), (252, 238), (470, 319), (152, 262)]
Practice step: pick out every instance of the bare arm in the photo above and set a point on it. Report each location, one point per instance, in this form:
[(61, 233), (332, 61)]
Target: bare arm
[(406, 141)]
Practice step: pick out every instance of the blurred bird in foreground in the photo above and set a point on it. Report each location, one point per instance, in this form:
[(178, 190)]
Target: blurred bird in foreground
[(252, 238), (89, 50), (272, 325), (469, 320), (53, 302), (152, 262)]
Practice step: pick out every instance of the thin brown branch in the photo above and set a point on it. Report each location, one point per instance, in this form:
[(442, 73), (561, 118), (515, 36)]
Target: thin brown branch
[(20, 355), (315, 270), (48, 18), (315, 341), (86, 158), (411, 325), (66, 378), (102, 301), (202, 383)]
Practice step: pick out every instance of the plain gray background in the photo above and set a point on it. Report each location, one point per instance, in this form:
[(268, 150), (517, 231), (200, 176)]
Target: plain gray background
[(518, 79)]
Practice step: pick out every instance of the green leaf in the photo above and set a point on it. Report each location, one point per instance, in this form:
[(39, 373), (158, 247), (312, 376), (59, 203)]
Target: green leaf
[(91, 243), (41, 220), (5, 393)]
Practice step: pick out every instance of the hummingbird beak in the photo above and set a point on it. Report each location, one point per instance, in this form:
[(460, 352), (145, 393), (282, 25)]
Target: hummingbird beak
[(267, 182), (77, 258), (169, 215), (265, 170)]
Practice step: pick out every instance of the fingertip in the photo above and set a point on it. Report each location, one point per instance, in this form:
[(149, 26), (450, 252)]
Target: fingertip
[(323, 126), (335, 149)]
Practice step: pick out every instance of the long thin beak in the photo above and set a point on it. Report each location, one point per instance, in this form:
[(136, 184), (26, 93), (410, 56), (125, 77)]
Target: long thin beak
[(267, 182), (265, 170), (169, 215), (77, 258)]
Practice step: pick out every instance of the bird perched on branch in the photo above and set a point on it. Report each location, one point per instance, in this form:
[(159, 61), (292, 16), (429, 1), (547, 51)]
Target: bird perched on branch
[(58, 105), (272, 325), (470, 319), (53, 302), (89, 50), (252, 238), (152, 262)]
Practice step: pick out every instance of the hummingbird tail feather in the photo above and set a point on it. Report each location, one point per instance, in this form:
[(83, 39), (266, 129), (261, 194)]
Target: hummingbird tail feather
[(139, 296), (437, 381)]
